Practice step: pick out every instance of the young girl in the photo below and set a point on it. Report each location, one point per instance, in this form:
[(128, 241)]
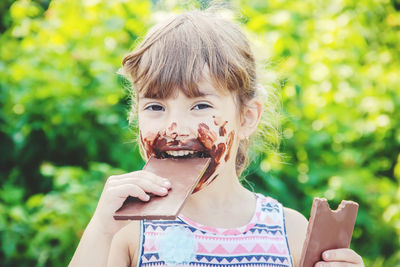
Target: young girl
[(196, 93)]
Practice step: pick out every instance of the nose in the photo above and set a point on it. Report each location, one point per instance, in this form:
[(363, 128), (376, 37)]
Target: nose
[(175, 130), (171, 130), (178, 125)]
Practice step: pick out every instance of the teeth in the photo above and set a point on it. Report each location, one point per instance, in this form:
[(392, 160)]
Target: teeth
[(172, 153), (179, 153)]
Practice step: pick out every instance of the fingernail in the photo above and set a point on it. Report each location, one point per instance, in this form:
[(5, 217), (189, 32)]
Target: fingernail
[(147, 197), (327, 255), (166, 183), (163, 190)]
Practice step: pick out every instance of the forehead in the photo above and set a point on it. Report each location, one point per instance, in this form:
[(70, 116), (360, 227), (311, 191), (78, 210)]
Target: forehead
[(204, 87)]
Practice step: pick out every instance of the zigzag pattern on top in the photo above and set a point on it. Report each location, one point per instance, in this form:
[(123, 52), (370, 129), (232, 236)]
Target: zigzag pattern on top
[(259, 228), (229, 259), (194, 264), (182, 242)]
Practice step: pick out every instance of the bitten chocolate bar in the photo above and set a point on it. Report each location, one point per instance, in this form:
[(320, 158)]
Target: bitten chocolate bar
[(184, 174), (327, 229)]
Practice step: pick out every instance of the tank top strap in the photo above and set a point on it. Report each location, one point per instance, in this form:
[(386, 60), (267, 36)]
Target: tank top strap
[(271, 211)]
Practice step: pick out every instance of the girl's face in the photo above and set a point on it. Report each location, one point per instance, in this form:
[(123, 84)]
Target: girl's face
[(180, 127)]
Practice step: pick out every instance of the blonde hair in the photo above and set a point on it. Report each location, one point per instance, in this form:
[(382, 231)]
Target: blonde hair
[(174, 53)]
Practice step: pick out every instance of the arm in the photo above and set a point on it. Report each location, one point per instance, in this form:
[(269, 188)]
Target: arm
[(94, 246), (296, 230), (124, 246)]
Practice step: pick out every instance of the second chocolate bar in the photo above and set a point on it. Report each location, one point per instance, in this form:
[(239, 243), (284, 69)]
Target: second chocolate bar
[(327, 229)]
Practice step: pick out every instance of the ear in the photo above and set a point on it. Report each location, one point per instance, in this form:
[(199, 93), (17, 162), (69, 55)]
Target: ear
[(250, 117)]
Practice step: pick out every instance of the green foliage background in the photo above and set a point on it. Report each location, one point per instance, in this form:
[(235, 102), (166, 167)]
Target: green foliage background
[(64, 129)]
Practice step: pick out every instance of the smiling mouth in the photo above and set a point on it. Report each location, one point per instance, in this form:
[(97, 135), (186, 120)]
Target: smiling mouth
[(183, 154)]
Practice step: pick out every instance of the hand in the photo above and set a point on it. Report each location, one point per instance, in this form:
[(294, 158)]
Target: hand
[(117, 189), (343, 257)]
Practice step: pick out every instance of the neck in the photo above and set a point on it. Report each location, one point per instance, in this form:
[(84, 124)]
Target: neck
[(223, 192)]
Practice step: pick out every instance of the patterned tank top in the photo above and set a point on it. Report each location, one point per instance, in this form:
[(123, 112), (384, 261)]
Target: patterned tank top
[(183, 242)]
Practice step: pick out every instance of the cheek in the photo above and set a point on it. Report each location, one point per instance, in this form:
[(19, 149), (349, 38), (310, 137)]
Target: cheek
[(226, 130), (147, 141), (207, 136), (218, 145), (145, 125), (217, 138)]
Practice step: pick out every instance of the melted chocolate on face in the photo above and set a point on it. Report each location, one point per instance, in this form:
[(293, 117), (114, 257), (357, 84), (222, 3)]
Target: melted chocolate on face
[(206, 137), (218, 121), (148, 143), (156, 144), (229, 145), (172, 127)]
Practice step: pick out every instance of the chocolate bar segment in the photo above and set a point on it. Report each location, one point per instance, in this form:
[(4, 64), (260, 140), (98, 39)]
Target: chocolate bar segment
[(183, 174), (327, 229)]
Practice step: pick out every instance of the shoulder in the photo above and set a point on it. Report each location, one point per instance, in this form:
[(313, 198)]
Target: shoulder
[(128, 239), (296, 229)]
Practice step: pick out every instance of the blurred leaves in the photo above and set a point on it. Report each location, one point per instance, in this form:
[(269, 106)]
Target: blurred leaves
[(63, 121), (45, 228), (64, 129), (338, 63)]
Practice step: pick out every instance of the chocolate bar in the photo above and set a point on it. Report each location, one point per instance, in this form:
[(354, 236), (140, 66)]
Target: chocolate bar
[(184, 174), (327, 229)]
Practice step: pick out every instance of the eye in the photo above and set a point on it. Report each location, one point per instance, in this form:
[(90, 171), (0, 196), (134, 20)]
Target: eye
[(154, 107), (201, 106)]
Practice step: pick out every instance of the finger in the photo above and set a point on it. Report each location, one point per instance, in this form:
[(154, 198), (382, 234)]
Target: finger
[(146, 185), (162, 181), (123, 191), (342, 254), (141, 174)]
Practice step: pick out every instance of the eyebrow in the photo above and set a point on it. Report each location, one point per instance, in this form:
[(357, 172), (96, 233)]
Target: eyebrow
[(200, 95), (206, 94)]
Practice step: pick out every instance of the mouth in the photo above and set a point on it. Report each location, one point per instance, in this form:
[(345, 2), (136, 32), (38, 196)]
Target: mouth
[(183, 154)]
